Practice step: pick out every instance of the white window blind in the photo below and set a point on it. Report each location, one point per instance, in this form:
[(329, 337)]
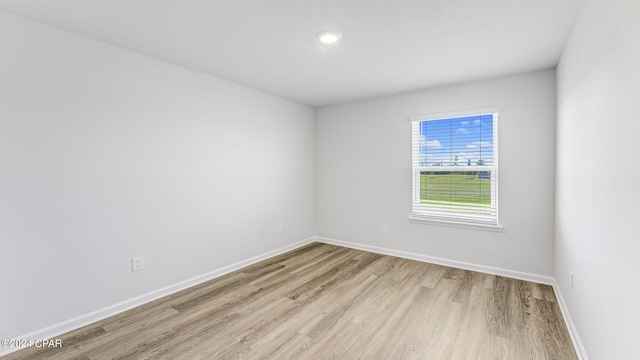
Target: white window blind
[(455, 168)]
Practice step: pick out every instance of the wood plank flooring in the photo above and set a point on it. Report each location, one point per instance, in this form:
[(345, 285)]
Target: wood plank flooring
[(327, 302)]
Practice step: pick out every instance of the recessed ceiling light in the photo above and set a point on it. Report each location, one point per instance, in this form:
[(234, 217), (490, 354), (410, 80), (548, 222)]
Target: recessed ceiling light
[(328, 36)]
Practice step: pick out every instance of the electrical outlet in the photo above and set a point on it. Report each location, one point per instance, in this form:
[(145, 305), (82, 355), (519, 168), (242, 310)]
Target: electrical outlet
[(571, 279), (137, 263), (384, 228), (279, 227)]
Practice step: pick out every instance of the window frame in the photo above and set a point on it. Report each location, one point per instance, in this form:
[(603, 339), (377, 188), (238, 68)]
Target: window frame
[(491, 223)]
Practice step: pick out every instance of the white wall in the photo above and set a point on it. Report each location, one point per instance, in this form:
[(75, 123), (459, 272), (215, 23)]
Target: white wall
[(363, 167), (598, 178), (106, 154)]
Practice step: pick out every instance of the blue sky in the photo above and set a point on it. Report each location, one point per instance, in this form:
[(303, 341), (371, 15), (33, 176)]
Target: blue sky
[(470, 138)]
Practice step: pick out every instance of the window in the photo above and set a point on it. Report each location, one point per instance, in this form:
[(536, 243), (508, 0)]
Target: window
[(455, 168)]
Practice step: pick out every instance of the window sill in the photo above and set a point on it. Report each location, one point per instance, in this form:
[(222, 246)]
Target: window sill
[(427, 221)]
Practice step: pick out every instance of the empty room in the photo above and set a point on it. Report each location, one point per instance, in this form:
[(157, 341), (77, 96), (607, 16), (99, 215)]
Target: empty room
[(319, 180)]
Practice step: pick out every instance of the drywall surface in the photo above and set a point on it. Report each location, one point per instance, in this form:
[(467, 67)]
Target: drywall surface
[(363, 167), (106, 155), (598, 178)]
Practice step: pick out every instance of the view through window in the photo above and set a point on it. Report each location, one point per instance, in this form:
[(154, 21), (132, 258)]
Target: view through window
[(455, 168)]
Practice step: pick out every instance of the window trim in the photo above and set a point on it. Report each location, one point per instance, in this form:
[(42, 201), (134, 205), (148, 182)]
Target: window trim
[(447, 219), (455, 224)]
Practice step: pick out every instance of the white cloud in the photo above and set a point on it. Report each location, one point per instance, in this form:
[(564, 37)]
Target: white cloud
[(464, 122), (465, 158), (430, 159), (477, 121), (462, 130), (469, 155), (462, 156), (479, 144), (433, 144)]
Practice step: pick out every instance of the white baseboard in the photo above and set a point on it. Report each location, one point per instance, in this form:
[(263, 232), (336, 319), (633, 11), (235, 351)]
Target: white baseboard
[(540, 279), (573, 332), (52, 331)]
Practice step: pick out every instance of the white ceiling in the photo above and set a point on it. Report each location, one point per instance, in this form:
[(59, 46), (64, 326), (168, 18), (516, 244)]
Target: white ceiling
[(388, 46)]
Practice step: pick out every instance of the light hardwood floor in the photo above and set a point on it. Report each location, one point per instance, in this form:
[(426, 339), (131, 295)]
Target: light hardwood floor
[(327, 302)]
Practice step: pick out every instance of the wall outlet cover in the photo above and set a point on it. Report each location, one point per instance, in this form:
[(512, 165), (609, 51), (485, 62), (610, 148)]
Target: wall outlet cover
[(137, 263)]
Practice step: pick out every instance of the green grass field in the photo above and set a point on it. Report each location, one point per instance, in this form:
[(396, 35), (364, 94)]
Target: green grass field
[(458, 188)]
